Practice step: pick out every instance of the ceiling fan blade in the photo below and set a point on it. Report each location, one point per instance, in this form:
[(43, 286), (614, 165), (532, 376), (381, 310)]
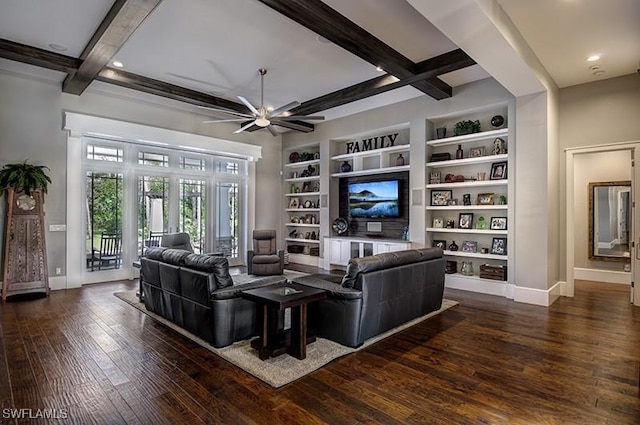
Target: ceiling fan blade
[(284, 108), (225, 111), (249, 105), (241, 129), (291, 125), (303, 117), (232, 120), (272, 130)]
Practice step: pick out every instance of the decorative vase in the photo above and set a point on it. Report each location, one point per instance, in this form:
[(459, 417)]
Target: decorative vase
[(497, 121), (467, 268), (441, 132), (345, 167), (453, 246), (400, 160)]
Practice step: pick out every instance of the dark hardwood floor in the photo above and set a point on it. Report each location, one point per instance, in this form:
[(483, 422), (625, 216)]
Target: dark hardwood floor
[(486, 361)]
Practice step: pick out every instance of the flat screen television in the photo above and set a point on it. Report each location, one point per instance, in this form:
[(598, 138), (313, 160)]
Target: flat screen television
[(374, 199)]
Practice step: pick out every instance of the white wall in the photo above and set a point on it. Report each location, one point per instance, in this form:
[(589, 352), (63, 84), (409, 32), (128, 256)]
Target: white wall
[(598, 113), (31, 119)]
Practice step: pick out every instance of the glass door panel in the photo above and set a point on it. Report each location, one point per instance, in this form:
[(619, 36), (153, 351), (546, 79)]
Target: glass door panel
[(104, 210), (153, 210), (228, 219), (193, 212)]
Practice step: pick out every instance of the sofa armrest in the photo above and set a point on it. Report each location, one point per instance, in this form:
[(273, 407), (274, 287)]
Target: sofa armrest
[(335, 290)]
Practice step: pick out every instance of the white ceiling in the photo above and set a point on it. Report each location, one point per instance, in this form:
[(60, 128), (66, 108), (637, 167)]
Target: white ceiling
[(217, 46)]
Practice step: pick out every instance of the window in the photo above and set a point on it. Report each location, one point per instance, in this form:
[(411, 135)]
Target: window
[(104, 153), (139, 193), (155, 159)]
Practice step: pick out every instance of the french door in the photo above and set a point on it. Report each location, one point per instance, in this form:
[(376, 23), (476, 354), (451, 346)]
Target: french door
[(134, 194)]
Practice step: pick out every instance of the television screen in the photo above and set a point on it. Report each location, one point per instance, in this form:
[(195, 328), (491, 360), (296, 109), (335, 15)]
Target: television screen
[(374, 199)]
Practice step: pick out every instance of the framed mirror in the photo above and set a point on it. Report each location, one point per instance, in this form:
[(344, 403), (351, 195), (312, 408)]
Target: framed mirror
[(610, 221)]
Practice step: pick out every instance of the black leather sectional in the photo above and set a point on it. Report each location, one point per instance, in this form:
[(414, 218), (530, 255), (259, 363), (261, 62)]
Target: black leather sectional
[(377, 294), (197, 293)]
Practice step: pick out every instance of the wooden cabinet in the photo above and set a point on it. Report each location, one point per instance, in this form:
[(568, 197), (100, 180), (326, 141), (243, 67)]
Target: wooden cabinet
[(25, 260)]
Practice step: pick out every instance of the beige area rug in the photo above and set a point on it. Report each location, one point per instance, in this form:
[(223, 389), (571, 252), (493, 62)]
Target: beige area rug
[(283, 369)]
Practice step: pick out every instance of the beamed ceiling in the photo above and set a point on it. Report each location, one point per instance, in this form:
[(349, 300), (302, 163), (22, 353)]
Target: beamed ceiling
[(125, 17), (321, 53)]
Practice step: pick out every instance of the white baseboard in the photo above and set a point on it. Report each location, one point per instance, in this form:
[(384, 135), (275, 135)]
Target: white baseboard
[(57, 282), (599, 275), (543, 297)]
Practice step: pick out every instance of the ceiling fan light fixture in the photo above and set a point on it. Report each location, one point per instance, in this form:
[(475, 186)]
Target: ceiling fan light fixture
[(262, 122)]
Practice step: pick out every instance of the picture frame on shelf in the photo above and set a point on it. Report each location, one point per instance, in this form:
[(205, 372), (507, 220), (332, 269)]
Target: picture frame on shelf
[(476, 152), (441, 197), (498, 171), (498, 223), (466, 199), (435, 177), (451, 224), (469, 246), (294, 203), (465, 221), (308, 204), (438, 243), (306, 187), (485, 199), (499, 246), (438, 222)]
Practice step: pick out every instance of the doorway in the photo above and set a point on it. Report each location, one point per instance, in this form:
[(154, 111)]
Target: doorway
[(601, 164)]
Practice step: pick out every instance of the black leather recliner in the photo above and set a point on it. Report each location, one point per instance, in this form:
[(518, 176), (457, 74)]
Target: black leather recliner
[(377, 293)]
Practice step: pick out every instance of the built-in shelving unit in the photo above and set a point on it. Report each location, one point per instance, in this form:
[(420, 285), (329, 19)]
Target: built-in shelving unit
[(375, 161), (302, 204), (467, 188)]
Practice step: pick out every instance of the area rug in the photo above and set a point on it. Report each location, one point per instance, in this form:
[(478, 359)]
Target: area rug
[(283, 369)]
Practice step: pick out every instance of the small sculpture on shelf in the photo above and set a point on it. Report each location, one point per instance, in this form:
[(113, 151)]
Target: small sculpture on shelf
[(453, 246), (400, 160), (345, 167)]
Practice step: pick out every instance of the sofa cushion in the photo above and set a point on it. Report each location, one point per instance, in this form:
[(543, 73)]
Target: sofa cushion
[(154, 253), (266, 259), (386, 260), (219, 266), (175, 256), (234, 290), (335, 289)]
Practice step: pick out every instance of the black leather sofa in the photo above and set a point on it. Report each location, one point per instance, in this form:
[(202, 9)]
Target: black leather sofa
[(376, 294), (197, 293)]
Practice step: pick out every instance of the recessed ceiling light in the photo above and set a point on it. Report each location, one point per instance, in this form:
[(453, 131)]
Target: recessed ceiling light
[(593, 58), (598, 72), (322, 40), (58, 47), (117, 64), (379, 69)]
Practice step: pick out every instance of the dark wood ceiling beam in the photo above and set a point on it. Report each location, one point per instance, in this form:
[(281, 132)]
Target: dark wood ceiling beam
[(326, 22), (442, 64), (38, 57), (170, 91), (121, 21)]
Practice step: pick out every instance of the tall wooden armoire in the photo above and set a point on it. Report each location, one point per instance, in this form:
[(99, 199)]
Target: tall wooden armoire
[(25, 254)]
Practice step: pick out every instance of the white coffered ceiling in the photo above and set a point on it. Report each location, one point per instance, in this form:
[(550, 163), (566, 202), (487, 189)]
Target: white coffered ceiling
[(217, 46)]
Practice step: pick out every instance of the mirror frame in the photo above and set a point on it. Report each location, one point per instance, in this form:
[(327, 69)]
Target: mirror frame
[(592, 254)]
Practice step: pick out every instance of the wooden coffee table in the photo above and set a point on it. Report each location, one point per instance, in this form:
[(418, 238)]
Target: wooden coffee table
[(274, 341)]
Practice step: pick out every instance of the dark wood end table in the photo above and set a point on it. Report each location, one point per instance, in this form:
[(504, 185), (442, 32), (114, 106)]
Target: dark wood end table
[(271, 300)]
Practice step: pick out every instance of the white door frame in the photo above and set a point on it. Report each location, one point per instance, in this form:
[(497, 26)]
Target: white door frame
[(570, 211)]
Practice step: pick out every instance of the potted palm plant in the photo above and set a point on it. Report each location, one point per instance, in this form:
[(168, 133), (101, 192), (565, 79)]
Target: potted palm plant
[(25, 177)]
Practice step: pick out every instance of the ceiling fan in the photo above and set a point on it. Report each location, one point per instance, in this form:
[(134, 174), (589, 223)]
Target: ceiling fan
[(264, 118)]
